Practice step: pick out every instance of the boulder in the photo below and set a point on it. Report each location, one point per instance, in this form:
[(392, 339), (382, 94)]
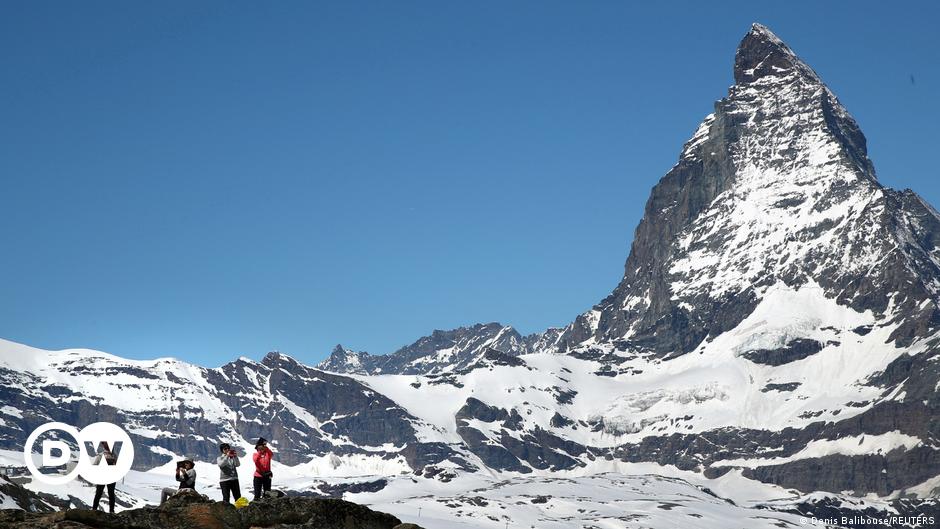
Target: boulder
[(316, 513)]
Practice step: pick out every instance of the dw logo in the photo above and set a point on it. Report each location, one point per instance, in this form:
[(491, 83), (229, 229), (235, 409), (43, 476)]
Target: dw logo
[(91, 441)]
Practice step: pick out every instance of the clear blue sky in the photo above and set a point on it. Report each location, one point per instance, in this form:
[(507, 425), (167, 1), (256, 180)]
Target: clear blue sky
[(208, 180)]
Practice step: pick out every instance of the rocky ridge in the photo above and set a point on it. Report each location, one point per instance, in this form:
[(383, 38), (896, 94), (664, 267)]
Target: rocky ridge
[(441, 351)]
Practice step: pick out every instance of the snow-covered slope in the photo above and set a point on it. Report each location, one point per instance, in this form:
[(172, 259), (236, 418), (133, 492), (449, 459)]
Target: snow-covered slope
[(773, 339)]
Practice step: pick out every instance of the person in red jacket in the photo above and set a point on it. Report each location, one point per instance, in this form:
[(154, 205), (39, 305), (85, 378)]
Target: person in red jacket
[(262, 458)]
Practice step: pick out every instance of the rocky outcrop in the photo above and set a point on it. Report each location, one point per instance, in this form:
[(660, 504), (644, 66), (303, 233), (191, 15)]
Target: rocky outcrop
[(193, 511), (797, 349), (508, 446), (314, 514), (25, 499)]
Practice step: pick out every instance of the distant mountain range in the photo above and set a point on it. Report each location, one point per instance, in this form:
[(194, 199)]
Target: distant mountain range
[(442, 351)]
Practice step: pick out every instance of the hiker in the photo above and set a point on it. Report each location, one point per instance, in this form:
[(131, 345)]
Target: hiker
[(262, 458), (186, 475), (110, 459), (228, 473)]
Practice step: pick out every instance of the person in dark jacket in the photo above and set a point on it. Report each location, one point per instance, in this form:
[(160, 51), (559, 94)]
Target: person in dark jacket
[(186, 475), (228, 473), (110, 459), (262, 458)]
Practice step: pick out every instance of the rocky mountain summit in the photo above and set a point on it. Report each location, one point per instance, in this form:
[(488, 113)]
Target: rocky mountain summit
[(776, 326), (775, 188)]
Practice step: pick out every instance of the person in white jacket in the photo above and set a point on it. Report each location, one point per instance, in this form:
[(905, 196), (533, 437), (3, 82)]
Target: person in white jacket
[(228, 473)]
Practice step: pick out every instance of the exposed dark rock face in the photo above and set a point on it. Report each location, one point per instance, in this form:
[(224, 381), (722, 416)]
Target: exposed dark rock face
[(902, 513), (494, 455), (492, 358), (789, 386), (336, 490), (25, 499), (560, 421), (440, 474), (515, 448), (565, 396), (794, 350), (878, 473), (543, 450), (475, 409)]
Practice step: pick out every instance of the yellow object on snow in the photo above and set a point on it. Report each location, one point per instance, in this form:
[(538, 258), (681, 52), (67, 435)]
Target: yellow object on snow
[(241, 502)]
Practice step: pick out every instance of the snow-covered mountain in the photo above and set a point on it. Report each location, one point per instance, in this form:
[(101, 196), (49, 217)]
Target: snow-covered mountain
[(773, 340), (774, 190), (778, 311)]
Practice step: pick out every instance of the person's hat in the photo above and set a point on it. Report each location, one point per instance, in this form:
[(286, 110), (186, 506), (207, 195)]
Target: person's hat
[(261, 441)]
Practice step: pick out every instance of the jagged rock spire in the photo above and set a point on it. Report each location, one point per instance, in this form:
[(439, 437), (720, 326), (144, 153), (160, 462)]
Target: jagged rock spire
[(763, 61), (762, 53)]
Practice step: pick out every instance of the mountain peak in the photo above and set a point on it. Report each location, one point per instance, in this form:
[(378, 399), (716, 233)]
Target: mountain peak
[(343, 360), (774, 188), (762, 53), (761, 31), (274, 358)]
